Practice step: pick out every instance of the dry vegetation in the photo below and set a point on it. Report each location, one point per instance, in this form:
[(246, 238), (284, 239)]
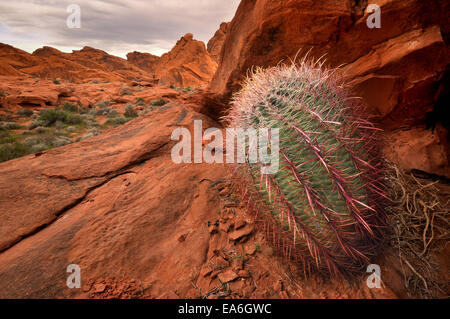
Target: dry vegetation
[(420, 223)]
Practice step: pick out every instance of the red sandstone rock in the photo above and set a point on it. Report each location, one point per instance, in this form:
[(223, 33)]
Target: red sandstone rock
[(215, 44), (145, 61), (187, 64)]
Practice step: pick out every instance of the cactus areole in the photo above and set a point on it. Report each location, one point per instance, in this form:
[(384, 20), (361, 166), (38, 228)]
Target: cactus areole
[(324, 206)]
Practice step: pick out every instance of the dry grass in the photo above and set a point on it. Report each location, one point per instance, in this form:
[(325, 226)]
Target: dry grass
[(420, 222)]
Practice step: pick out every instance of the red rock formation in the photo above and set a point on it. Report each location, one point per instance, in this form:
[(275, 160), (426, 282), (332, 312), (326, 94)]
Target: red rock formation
[(396, 68), (145, 61), (83, 65), (215, 44), (187, 64)]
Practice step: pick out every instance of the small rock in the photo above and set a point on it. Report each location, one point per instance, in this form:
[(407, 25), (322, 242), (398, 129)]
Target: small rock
[(227, 276), (238, 234), (99, 287), (239, 223)]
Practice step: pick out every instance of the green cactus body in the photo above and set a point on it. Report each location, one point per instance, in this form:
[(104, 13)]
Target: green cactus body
[(324, 205)]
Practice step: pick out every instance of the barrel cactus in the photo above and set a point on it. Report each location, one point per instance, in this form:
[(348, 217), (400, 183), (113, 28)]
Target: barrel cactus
[(324, 206)]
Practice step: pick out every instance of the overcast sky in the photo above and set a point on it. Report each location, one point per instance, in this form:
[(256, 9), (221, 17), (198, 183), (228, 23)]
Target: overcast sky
[(116, 26)]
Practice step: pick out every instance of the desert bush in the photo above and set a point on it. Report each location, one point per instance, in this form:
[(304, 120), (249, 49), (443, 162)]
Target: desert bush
[(140, 101), (125, 91), (130, 112), (11, 151), (70, 107), (25, 112), (103, 104), (116, 121), (11, 126), (159, 102)]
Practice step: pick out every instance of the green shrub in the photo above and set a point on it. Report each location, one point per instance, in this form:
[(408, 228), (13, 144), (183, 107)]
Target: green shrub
[(70, 107), (125, 91), (113, 113), (140, 101), (73, 119), (11, 126), (159, 102), (10, 151), (103, 104), (25, 112), (49, 117), (116, 121), (130, 112), (56, 82), (5, 118)]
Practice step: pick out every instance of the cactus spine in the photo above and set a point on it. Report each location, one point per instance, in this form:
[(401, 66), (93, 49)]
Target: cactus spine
[(323, 207)]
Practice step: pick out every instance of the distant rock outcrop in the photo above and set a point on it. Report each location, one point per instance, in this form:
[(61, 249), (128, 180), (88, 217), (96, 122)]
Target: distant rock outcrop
[(83, 65), (398, 68), (187, 64), (145, 61), (215, 44)]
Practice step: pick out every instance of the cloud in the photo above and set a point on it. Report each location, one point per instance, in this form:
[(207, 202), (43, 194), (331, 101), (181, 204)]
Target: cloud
[(116, 26)]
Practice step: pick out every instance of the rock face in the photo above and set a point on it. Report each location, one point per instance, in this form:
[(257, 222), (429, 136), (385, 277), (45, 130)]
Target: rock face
[(398, 68), (215, 44), (145, 61), (97, 204), (187, 64)]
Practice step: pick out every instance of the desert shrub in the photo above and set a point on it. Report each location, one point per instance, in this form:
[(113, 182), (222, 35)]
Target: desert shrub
[(140, 101), (11, 125), (25, 112), (70, 107), (5, 118), (56, 82), (103, 104), (11, 151), (102, 112), (125, 91), (159, 102), (130, 112), (113, 113), (116, 121), (49, 117)]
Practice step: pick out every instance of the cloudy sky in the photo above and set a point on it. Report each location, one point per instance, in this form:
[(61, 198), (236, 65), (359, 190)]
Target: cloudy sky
[(116, 26)]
